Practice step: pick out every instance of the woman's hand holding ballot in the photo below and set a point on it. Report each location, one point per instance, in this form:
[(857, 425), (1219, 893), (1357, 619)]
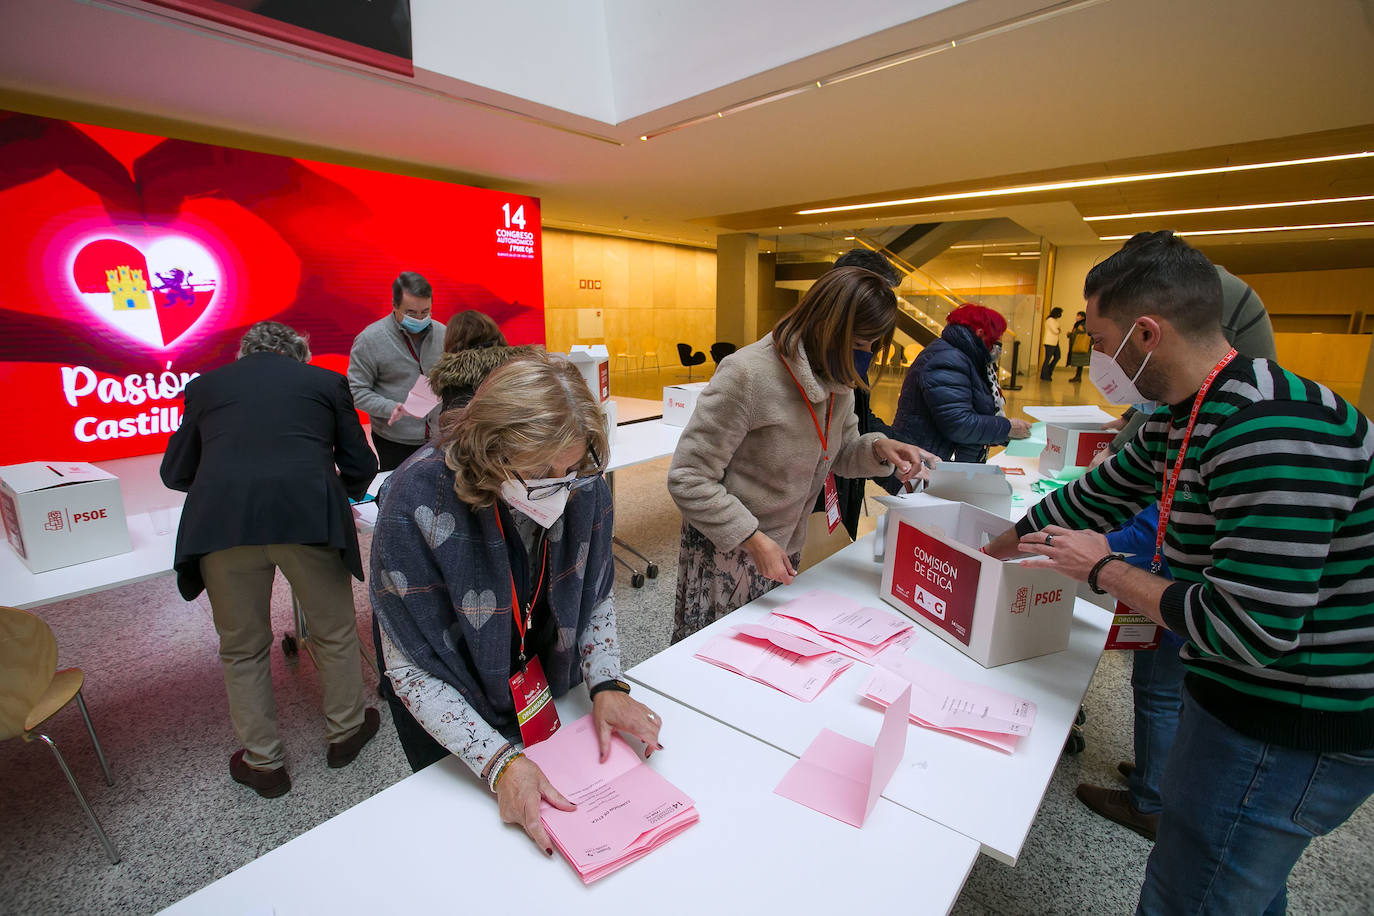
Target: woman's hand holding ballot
[(910, 462), (518, 793), (615, 711)]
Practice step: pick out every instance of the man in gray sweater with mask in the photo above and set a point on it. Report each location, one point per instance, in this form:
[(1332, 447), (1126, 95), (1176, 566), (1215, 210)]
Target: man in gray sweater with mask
[(386, 360)]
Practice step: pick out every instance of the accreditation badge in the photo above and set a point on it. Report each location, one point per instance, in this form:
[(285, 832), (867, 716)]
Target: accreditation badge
[(534, 708), (832, 504)]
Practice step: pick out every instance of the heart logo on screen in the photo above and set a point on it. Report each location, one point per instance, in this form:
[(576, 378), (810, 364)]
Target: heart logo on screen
[(154, 294)]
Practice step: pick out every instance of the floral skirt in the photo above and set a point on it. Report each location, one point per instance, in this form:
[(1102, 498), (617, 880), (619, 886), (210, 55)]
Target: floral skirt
[(711, 583)]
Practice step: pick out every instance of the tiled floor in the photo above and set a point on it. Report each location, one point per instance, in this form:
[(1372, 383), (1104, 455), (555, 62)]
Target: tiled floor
[(154, 688)]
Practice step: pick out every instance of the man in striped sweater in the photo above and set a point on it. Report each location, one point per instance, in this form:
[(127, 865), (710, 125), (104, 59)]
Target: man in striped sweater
[(1266, 488)]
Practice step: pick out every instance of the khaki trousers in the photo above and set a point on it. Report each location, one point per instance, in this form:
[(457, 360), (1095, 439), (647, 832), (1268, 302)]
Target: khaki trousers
[(239, 583)]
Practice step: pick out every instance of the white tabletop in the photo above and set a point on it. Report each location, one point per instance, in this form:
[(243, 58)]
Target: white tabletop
[(633, 410), (432, 843), (979, 792), (636, 443)]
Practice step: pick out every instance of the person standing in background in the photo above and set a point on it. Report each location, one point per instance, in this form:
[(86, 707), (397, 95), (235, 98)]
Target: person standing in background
[(1049, 339), (257, 456), (1080, 346), (387, 358)]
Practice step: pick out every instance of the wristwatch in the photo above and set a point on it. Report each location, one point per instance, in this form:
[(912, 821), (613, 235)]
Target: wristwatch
[(612, 684)]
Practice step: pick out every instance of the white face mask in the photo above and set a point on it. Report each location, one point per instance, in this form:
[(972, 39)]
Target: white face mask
[(1111, 380), (545, 510)]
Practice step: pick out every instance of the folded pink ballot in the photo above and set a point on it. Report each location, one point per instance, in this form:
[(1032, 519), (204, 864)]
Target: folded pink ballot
[(763, 660), (421, 399), (950, 702), (865, 629), (897, 645), (845, 778), (882, 687), (625, 809)]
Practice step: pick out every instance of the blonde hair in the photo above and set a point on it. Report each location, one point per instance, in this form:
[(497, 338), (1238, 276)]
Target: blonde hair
[(524, 414)]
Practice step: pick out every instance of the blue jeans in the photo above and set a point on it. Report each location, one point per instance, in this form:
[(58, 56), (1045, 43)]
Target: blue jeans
[(1237, 815), (1156, 682)]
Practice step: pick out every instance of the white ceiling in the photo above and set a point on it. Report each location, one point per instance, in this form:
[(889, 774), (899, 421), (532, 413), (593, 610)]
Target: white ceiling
[(1126, 78)]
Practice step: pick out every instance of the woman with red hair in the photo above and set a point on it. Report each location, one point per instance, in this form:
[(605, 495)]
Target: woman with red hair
[(949, 403)]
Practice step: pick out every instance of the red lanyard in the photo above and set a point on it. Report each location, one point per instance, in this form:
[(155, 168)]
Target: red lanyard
[(522, 625), (825, 448), (411, 347), (1166, 504)]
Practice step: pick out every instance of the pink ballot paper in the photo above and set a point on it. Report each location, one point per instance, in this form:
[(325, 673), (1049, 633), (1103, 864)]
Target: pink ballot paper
[(421, 400), (769, 660), (867, 630), (941, 703), (897, 645), (844, 778), (625, 810)]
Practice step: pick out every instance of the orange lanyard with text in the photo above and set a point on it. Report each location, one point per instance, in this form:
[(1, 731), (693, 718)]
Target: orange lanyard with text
[(825, 447), (1166, 503), (522, 625)]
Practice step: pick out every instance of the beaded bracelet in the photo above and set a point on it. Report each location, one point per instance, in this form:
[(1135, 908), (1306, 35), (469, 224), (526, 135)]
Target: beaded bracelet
[(498, 771)]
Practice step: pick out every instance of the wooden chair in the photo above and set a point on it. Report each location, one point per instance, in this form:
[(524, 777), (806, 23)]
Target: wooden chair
[(32, 691), (650, 345), (620, 349)]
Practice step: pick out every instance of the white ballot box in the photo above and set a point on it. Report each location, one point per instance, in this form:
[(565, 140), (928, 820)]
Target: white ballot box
[(1072, 445), (995, 612), (679, 401), (594, 364), (62, 513)]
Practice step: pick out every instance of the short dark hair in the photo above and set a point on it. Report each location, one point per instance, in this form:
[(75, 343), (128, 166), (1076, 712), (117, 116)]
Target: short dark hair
[(1158, 273), (275, 337), (844, 304), (875, 261), (408, 281), (1056, 312)]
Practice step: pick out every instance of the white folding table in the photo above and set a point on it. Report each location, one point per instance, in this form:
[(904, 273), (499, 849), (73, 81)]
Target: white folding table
[(979, 792), (433, 843)]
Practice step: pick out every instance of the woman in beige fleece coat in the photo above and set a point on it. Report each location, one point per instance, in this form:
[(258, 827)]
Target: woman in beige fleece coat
[(752, 458)]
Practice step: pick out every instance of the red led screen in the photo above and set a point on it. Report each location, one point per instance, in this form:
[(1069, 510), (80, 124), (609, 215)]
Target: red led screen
[(131, 262)]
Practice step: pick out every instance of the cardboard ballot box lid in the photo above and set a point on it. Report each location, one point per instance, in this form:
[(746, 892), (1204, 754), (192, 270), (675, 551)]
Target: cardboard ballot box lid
[(981, 485), (1069, 413), (43, 475), (595, 353)]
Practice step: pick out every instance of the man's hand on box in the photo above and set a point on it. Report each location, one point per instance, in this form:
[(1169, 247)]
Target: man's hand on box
[(1073, 553)]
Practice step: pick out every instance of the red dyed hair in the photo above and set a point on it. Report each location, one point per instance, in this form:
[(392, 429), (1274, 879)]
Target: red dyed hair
[(987, 323)]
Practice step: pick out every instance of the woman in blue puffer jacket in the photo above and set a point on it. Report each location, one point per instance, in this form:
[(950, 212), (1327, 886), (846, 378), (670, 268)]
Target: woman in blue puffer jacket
[(949, 405)]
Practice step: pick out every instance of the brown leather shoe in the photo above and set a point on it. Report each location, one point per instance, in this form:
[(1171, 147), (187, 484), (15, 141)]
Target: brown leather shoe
[(1115, 805), (1125, 768), (267, 783), (341, 753)]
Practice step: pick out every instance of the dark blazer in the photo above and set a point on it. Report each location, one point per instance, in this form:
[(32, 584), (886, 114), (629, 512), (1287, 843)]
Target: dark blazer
[(256, 454), (946, 405)]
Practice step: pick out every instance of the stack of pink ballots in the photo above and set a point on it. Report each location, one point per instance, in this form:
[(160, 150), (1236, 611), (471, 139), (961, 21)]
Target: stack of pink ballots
[(980, 714), (797, 667), (845, 626), (625, 810)]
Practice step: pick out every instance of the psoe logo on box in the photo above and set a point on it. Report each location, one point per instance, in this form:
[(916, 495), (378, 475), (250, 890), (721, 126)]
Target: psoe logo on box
[(1048, 597), (1018, 605), (91, 515), (1054, 448)]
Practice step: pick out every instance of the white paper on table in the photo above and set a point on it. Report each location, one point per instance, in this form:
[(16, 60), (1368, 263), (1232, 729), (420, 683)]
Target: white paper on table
[(963, 704), (797, 676), (421, 399), (845, 778), (366, 513), (866, 654), (1069, 413), (844, 619)]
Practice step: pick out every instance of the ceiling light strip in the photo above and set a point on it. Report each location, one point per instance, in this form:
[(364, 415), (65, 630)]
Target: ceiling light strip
[(1232, 209), (882, 63), (1089, 183), (1122, 238)]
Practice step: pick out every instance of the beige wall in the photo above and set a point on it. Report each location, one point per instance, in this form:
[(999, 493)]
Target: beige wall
[(646, 289), (1330, 301)]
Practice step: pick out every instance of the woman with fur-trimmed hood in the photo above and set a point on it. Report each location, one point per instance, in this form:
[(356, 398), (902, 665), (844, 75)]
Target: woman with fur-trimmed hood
[(473, 347)]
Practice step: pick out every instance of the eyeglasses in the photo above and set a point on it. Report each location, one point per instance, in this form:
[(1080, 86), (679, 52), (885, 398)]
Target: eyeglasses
[(545, 490)]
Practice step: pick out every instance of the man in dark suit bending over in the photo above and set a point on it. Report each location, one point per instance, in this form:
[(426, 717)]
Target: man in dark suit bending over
[(257, 455)]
